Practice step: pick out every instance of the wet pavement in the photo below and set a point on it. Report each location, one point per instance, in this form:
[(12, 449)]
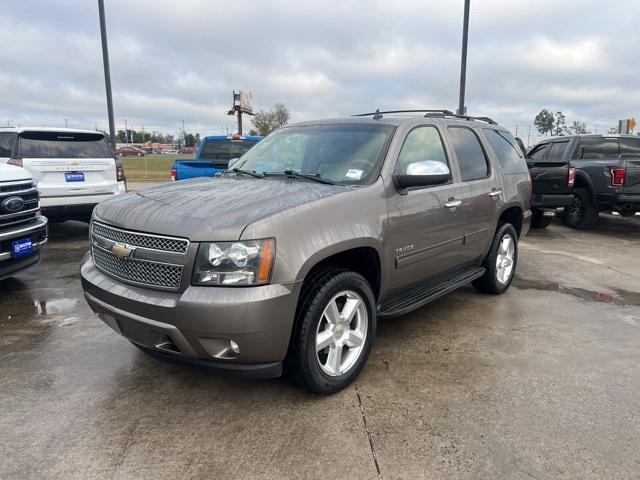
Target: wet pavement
[(542, 382)]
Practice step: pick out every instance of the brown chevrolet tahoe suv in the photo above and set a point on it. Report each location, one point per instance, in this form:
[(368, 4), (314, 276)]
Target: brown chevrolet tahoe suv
[(286, 262)]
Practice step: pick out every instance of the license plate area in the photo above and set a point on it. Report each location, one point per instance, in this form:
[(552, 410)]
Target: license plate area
[(74, 176), (21, 247)]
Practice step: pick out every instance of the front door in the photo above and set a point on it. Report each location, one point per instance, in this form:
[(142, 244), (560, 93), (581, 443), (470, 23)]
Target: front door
[(426, 224)]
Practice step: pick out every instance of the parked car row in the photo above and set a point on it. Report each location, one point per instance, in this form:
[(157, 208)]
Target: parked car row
[(62, 173), (284, 262)]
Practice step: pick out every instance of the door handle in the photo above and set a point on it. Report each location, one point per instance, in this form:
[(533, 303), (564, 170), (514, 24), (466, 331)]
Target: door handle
[(495, 193), (453, 203)]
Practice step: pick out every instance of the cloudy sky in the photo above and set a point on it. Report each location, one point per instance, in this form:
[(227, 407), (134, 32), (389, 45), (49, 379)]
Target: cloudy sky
[(181, 60)]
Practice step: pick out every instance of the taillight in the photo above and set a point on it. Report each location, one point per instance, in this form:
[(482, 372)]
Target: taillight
[(173, 175), (618, 177), (15, 161), (119, 170), (571, 179)]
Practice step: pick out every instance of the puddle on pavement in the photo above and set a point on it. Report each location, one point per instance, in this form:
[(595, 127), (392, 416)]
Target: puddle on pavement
[(38, 308), (620, 297)]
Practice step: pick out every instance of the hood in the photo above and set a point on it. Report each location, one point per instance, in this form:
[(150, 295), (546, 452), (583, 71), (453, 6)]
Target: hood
[(11, 173), (209, 209)]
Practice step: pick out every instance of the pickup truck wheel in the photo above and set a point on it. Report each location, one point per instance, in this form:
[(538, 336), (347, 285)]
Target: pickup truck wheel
[(581, 214), (538, 220), (333, 333), (500, 263)]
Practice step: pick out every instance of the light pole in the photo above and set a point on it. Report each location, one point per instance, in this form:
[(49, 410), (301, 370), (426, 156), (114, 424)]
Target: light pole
[(463, 63), (126, 132), (107, 73)]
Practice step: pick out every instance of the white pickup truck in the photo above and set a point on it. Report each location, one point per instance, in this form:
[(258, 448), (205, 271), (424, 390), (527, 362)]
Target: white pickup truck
[(23, 231)]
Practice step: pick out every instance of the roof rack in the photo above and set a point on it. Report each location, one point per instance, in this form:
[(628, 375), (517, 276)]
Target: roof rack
[(378, 114), (463, 117)]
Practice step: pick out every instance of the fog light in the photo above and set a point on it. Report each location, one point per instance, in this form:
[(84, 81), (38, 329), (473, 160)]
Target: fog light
[(234, 347)]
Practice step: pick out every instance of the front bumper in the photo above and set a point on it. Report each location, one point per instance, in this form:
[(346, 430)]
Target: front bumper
[(198, 323), (38, 231)]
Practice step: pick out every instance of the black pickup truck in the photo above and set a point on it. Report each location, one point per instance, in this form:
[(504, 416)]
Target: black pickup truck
[(585, 174)]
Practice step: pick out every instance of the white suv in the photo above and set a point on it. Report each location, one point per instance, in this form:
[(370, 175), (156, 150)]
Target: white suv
[(75, 169)]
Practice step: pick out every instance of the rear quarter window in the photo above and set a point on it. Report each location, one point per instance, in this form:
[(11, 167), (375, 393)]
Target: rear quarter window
[(596, 147), (64, 145), (507, 151), (630, 146)]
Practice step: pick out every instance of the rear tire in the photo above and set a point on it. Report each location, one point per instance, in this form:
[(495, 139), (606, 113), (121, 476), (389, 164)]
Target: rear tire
[(329, 347), (500, 263), (538, 220), (581, 214)]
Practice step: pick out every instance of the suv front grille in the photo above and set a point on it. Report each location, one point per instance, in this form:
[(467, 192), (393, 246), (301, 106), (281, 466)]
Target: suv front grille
[(142, 272), (143, 240)]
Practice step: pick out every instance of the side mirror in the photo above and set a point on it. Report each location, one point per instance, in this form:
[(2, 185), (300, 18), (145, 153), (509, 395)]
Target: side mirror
[(422, 174), (232, 161)]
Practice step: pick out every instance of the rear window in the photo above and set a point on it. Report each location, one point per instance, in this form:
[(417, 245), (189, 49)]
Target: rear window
[(225, 150), (507, 150), (64, 145)]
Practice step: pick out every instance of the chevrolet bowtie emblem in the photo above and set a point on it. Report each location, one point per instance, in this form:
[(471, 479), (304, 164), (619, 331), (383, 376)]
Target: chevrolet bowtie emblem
[(122, 251)]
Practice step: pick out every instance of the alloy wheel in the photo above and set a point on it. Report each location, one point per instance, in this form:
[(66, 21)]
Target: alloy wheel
[(505, 259), (341, 333)]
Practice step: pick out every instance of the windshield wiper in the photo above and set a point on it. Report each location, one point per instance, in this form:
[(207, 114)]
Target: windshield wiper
[(245, 172), (308, 176)]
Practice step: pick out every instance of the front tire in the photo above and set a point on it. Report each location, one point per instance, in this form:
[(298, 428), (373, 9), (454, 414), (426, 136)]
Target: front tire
[(581, 214), (334, 332), (500, 263)]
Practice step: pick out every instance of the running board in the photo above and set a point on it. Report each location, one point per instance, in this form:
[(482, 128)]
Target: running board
[(423, 294)]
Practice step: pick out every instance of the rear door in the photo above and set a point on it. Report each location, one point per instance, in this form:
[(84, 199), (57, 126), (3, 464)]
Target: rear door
[(481, 190), (68, 164)]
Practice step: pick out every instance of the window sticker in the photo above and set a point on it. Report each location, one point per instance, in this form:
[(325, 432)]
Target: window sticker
[(354, 174)]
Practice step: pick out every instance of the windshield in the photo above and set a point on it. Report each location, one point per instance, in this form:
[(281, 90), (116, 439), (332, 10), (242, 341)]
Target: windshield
[(343, 153), (64, 145)]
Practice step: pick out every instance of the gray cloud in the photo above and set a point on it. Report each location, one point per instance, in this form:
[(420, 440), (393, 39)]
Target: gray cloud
[(181, 60)]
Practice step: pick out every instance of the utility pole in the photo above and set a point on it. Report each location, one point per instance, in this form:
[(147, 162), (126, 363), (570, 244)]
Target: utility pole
[(126, 132), (463, 62), (107, 73)]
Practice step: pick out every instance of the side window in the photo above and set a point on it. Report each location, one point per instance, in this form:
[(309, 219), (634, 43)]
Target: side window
[(538, 152), (557, 149), (471, 158), (507, 150), (596, 147), (422, 143), (6, 144)]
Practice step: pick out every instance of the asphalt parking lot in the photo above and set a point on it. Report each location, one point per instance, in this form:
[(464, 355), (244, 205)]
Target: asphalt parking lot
[(542, 382)]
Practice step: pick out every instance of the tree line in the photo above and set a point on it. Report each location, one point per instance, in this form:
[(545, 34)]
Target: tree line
[(556, 124)]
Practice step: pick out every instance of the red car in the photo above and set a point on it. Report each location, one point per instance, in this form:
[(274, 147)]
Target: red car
[(188, 149), (126, 151)]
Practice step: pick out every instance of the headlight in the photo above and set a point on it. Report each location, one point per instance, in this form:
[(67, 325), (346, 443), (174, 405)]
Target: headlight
[(234, 263)]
